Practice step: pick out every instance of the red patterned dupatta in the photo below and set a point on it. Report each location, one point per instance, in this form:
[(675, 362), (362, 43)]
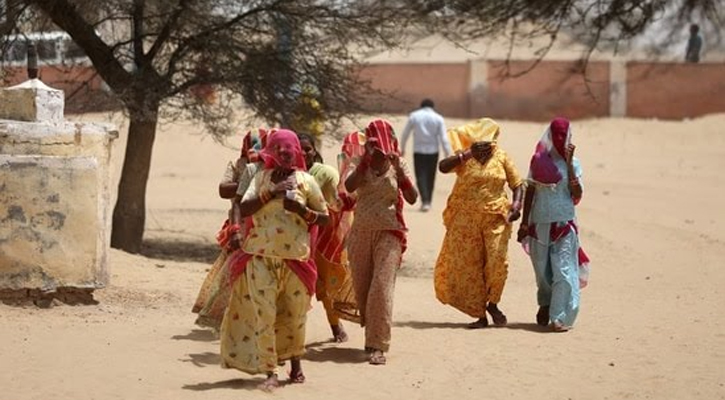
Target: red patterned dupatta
[(305, 270), (382, 136)]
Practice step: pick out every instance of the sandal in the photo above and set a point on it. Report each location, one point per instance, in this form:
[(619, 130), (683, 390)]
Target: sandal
[(498, 317), (339, 334), (377, 358), (296, 377)]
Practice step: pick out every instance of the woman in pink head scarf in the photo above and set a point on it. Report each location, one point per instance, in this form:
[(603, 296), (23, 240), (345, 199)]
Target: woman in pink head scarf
[(273, 275), (549, 230), (381, 180)]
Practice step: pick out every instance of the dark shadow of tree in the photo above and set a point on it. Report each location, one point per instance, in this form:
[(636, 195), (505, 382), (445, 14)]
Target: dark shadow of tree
[(197, 335), (180, 250)]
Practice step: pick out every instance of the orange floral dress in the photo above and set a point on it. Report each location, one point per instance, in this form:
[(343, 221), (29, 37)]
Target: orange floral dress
[(472, 265)]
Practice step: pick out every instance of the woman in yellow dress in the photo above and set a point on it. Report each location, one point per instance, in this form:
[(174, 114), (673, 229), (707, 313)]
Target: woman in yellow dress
[(472, 266), (273, 275)]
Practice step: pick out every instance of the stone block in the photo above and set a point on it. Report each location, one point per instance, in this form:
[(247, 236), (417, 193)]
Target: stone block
[(32, 101)]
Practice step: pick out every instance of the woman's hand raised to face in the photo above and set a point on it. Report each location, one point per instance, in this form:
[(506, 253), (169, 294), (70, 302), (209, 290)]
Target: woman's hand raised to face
[(570, 153)]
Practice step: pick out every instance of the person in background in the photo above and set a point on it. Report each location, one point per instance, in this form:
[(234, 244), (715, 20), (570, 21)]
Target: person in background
[(429, 134), (694, 45)]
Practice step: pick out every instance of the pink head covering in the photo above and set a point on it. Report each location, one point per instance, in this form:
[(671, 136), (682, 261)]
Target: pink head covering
[(553, 143), (287, 141), (381, 135), (559, 128)]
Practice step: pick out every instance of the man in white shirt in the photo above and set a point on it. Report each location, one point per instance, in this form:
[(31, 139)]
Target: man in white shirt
[(429, 132)]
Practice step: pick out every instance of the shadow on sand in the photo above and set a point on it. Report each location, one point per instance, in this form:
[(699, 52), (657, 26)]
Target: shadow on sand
[(532, 327), (180, 250), (430, 325), (203, 359), (197, 335), (247, 384), (331, 351)]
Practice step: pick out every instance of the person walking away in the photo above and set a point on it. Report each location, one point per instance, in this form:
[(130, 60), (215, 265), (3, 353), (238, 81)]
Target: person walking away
[(429, 134), (694, 45)]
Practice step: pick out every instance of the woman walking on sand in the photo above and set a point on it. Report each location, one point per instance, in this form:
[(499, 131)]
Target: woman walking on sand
[(472, 266), (273, 275), (381, 181), (334, 282), (549, 230), (213, 297)]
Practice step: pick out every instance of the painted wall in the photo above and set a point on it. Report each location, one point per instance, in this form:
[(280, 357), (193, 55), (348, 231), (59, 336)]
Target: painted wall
[(551, 88), (408, 84), (674, 90), (479, 88)]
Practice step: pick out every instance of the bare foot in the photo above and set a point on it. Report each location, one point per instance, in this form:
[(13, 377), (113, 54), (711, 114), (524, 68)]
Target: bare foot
[(542, 317), (498, 317), (377, 357), (557, 326), (339, 334), (478, 324), (269, 384), (296, 375)]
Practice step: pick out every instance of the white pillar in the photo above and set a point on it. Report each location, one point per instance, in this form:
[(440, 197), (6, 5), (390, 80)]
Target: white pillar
[(618, 87)]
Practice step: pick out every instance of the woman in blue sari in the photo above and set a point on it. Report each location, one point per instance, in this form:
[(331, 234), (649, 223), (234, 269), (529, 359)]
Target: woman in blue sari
[(549, 230)]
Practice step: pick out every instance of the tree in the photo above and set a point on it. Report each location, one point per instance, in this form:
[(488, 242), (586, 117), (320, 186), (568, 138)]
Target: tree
[(161, 57), (156, 55)]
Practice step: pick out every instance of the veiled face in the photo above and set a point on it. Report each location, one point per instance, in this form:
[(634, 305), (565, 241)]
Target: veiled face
[(559, 132), (285, 153)]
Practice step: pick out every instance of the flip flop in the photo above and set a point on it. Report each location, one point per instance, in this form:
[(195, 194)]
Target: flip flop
[(296, 377), (377, 358)]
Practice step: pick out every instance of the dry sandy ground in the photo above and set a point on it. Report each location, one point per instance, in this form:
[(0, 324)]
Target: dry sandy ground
[(651, 324)]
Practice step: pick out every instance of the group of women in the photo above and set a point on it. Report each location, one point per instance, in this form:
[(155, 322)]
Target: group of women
[(297, 228)]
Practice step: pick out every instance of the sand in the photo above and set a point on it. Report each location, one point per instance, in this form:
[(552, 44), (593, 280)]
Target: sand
[(651, 323)]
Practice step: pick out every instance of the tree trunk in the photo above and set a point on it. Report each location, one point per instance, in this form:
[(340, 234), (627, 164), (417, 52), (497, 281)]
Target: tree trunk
[(129, 215)]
